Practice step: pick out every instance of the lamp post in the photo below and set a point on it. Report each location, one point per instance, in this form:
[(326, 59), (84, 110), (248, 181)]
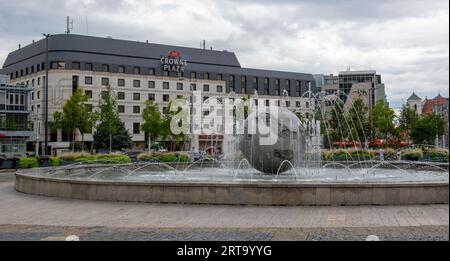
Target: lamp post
[(46, 95)]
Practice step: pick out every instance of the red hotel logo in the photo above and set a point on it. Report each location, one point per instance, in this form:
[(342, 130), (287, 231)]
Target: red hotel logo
[(174, 54)]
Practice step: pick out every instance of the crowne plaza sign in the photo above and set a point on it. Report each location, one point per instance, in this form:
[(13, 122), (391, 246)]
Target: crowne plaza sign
[(173, 62)]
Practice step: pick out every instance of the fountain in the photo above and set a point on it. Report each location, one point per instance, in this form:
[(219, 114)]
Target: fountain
[(255, 170)]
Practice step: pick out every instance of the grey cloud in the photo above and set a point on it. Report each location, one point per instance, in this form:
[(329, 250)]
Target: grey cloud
[(407, 41)]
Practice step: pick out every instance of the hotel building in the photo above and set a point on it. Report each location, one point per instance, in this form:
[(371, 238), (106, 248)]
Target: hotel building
[(140, 71)]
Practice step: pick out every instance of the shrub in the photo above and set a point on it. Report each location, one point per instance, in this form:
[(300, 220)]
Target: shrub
[(412, 154), (55, 161), (71, 156), (440, 155), (26, 163), (163, 156)]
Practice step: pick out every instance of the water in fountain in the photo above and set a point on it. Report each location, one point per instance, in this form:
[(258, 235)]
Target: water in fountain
[(296, 156)]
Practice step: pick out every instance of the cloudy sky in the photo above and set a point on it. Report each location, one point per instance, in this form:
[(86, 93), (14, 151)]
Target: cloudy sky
[(406, 41)]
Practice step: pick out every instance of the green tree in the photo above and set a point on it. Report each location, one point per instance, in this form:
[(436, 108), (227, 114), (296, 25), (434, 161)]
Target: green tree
[(359, 122), (152, 122), (382, 121), (75, 116), (110, 133), (338, 123), (175, 139), (426, 128), (407, 120)]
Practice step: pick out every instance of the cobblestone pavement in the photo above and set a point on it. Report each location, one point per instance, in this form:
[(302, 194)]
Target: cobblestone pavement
[(57, 233), (30, 217)]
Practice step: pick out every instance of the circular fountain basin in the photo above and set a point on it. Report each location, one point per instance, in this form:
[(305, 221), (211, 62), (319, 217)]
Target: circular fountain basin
[(157, 183)]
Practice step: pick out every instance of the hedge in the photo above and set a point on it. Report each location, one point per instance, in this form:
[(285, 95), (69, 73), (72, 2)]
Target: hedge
[(163, 157), (26, 163)]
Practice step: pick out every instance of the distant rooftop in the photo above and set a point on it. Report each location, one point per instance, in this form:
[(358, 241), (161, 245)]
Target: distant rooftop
[(414, 97), (357, 72)]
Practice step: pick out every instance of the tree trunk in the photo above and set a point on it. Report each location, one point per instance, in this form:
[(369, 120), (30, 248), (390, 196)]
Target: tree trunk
[(82, 141), (73, 140)]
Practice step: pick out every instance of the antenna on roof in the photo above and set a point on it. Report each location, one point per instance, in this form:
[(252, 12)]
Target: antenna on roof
[(348, 68), (69, 25), (204, 44)]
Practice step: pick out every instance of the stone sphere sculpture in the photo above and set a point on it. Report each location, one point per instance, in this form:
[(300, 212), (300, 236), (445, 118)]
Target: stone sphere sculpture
[(265, 153)]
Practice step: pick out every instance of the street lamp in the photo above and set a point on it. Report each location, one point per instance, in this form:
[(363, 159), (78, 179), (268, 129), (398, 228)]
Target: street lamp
[(46, 94)]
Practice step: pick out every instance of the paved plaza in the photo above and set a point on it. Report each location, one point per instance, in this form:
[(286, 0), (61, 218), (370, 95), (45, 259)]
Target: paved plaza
[(30, 217)]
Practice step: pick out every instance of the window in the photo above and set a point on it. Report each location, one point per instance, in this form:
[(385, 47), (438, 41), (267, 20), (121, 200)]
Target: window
[(136, 96), (32, 82), (88, 67), (87, 80), (219, 88), (277, 87), (105, 81), (297, 104), (39, 81), (206, 76), (298, 88), (105, 67), (11, 76), (288, 104), (121, 69), (287, 87), (255, 83), (151, 71), (136, 83), (193, 87), (266, 86), (151, 97), (151, 84), (220, 77), (137, 70), (244, 84), (231, 83), (166, 73), (38, 68), (76, 65), (38, 95), (179, 86), (103, 94), (121, 82), (166, 97), (55, 65), (166, 85), (193, 75), (205, 87), (205, 98), (136, 128), (120, 109), (32, 95), (165, 110), (136, 109), (121, 96), (26, 71), (75, 79), (88, 93), (179, 96), (32, 69)]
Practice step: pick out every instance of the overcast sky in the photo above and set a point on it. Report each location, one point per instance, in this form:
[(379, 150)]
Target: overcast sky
[(406, 41)]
